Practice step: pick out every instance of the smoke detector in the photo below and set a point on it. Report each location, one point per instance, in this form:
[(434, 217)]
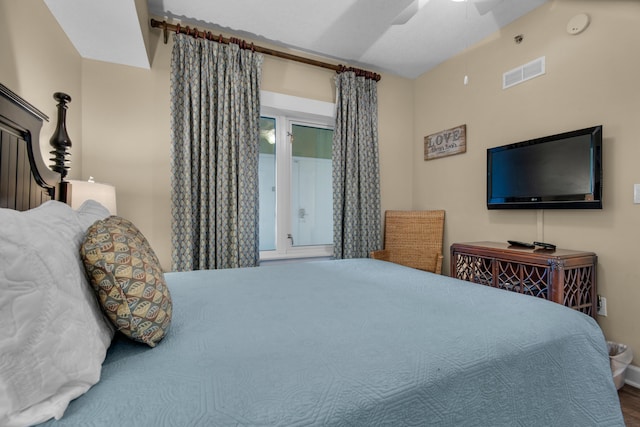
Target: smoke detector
[(578, 24)]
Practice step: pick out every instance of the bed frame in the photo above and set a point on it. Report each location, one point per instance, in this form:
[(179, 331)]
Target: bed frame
[(25, 180)]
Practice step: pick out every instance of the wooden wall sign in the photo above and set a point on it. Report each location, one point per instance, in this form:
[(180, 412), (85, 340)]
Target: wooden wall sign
[(446, 143)]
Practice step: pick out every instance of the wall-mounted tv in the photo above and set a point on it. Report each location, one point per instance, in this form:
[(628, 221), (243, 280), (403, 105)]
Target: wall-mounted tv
[(562, 171)]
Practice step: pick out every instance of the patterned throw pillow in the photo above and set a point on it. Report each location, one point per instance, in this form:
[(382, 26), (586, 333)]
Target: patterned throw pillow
[(125, 274)]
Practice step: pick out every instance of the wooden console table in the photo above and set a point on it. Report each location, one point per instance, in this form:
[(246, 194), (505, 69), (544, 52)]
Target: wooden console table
[(563, 276)]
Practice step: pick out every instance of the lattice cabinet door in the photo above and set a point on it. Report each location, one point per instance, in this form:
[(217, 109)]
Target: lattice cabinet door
[(475, 269), (563, 276), (576, 286), (522, 278)]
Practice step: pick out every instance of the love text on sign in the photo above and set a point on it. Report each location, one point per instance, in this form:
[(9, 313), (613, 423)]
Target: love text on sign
[(446, 143)]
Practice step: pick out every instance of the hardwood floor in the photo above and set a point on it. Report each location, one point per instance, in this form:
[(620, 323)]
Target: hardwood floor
[(630, 402)]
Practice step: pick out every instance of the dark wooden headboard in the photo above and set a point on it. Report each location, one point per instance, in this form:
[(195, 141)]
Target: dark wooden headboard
[(25, 180)]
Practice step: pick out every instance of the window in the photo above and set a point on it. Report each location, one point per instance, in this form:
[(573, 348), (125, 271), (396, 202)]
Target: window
[(296, 199)]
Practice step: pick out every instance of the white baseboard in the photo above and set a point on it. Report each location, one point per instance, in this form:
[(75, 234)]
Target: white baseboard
[(632, 376)]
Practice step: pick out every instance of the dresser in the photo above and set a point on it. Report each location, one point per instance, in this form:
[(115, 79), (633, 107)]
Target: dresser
[(563, 276)]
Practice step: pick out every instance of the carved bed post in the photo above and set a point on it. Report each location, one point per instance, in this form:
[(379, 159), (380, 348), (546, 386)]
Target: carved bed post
[(60, 139), (61, 143)]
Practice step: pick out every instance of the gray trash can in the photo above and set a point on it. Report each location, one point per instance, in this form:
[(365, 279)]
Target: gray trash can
[(620, 356)]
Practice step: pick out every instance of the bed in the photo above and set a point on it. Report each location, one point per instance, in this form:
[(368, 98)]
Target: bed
[(355, 342)]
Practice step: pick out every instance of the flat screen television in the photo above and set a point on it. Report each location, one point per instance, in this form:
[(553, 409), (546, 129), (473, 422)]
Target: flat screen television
[(562, 171)]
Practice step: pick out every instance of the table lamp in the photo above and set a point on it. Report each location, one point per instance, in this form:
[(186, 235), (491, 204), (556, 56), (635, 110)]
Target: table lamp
[(80, 191)]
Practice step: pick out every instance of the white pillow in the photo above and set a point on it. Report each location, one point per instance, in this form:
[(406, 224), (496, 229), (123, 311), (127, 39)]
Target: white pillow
[(54, 337)]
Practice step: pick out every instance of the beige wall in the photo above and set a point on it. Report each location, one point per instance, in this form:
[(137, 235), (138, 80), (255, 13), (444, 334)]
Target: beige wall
[(126, 132), (118, 119), (119, 124), (37, 60), (591, 78)]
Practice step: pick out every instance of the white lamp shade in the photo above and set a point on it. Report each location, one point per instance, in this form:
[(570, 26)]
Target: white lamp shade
[(80, 191)]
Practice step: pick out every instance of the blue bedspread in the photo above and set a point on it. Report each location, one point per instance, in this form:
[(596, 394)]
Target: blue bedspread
[(354, 343)]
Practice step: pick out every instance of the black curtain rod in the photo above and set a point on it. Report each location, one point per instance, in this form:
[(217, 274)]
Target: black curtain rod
[(194, 32)]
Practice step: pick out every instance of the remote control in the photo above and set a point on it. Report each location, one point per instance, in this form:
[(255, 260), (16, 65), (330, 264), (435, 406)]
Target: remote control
[(520, 244)]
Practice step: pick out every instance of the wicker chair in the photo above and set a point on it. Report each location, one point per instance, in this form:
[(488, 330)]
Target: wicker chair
[(414, 239)]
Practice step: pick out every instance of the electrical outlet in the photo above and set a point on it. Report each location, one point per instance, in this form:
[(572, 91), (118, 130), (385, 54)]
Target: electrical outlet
[(602, 306)]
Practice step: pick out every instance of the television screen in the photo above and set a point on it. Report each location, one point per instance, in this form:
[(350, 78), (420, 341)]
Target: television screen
[(555, 172)]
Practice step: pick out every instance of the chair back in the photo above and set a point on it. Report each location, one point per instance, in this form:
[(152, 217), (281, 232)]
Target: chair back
[(414, 238)]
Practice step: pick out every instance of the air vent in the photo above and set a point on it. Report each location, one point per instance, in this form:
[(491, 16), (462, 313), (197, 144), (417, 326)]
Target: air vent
[(523, 73)]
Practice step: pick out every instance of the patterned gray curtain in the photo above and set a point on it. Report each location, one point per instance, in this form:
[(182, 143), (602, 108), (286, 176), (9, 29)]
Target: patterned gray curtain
[(215, 115), (356, 180)]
